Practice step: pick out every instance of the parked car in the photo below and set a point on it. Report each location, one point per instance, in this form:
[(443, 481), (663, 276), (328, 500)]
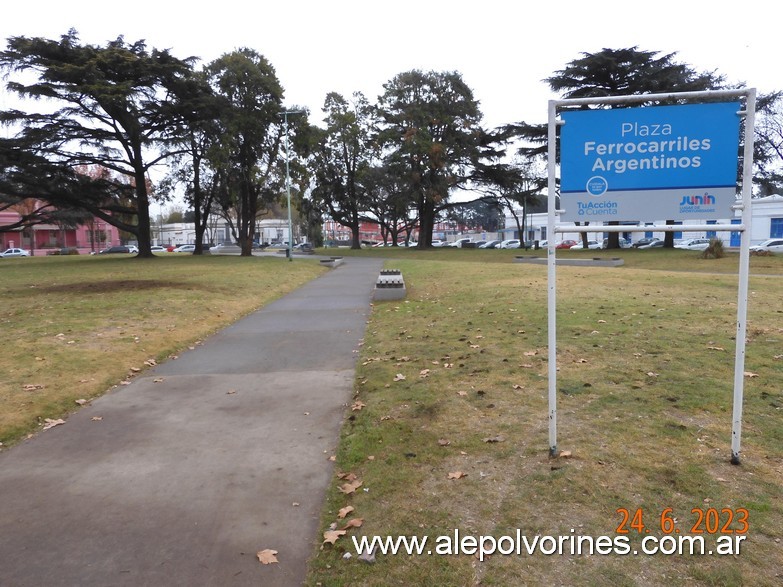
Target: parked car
[(624, 243), (115, 249), (510, 244), (566, 244), (457, 244), (133, 249), (184, 249), (652, 244), (64, 251), (644, 241), (158, 249), (590, 245), (15, 253), (439, 243), (771, 245), (693, 244), (490, 244)]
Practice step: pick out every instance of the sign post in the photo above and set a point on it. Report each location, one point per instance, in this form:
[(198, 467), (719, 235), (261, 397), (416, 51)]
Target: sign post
[(674, 162)]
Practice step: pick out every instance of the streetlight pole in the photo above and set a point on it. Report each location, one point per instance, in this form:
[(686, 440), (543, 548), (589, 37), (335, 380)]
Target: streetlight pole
[(288, 182)]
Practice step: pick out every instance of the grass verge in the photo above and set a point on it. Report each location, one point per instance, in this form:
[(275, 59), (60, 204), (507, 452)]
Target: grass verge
[(75, 326), (449, 425)]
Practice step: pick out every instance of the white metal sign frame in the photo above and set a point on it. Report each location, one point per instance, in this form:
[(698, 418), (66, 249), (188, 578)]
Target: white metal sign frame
[(744, 205)]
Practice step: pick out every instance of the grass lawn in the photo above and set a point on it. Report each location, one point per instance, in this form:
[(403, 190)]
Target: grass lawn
[(448, 429), (74, 326)]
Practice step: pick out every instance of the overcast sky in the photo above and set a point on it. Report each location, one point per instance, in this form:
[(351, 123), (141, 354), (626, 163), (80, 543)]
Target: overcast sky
[(503, 49)]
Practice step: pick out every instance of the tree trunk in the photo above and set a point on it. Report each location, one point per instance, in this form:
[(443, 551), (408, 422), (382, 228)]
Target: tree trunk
[(143, 233), (668, 237)]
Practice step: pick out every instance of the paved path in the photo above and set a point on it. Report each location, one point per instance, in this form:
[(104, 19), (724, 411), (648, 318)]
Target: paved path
[(182, 481)]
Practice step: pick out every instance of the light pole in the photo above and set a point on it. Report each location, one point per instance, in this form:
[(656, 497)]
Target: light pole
[(288, 182)]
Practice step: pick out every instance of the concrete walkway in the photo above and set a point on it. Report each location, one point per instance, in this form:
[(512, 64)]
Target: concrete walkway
[(183, 476)]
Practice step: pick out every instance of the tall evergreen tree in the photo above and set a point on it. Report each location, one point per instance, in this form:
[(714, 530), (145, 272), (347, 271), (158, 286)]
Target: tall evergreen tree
[(616, 72), (119, 105)]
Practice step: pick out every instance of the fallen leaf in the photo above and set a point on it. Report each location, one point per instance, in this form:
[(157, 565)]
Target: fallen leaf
[(462, 393), (158, 380), (32, 386), (602, 321), (354, 523), (348, 488), (457, 475), (530, 353), (749, 374), (331, 536), (52, 423), (517, 386), (444, 442), (564, 454), (150, 362), (497, 438), (96, 418), (344, 511), (652, 374), (267, 556), (81, 402), (399, 377), (357, 406), (347, 476), (424, 373), (295, 504), (371, 458), (715, 348)]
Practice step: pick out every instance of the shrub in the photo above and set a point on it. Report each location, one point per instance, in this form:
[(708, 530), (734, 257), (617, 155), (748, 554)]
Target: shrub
[(714, 250)]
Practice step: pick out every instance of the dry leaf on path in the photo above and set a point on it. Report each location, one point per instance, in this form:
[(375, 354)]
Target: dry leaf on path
[(357, 406), (457, 475), (344, 511), (267, 556), (331, 536), (52, 423)]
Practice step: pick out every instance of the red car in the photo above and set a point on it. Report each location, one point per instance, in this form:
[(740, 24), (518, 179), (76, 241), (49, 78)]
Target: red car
[(566, 244)]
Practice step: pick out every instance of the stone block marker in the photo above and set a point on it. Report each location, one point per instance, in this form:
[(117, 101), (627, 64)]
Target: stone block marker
[(389, 286)]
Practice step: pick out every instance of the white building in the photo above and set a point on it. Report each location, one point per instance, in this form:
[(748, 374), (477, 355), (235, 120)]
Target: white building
[(767, 222), (268, 230)]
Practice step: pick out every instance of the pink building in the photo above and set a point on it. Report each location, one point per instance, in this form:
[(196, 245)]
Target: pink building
[(89, 237)]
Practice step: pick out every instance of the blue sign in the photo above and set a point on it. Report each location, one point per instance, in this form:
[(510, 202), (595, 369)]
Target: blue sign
[(650, 163)]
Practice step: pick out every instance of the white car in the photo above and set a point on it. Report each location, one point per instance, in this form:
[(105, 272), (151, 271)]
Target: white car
[(693, 244), (158, 249), (184, 249), (510, 244), (771, 245), (15, 253), (459, 242), (439, 243), (590, 245)]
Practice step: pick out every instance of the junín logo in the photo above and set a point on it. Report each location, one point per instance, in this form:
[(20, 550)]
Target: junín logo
[(705, 200)]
